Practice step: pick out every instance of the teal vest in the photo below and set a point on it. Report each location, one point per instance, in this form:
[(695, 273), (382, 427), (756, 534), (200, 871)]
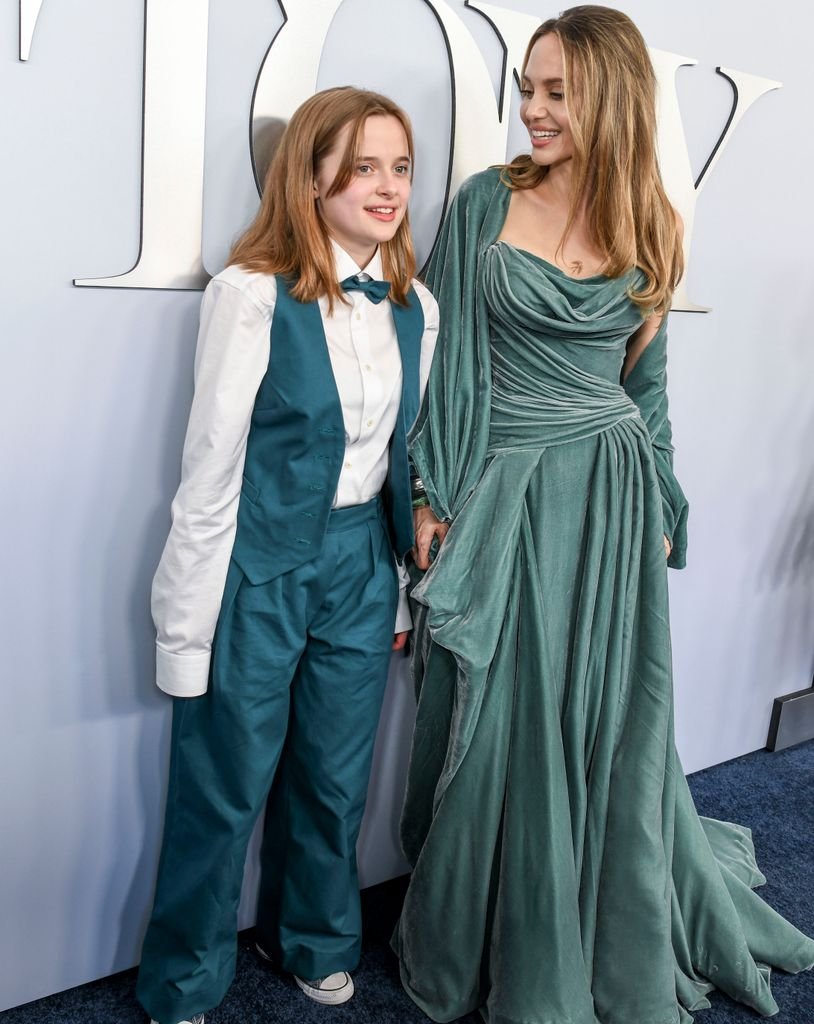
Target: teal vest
[(296, 443)]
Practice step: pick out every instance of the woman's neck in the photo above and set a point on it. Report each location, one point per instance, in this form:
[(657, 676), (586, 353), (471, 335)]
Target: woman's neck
[(558, 183), (557, 190)]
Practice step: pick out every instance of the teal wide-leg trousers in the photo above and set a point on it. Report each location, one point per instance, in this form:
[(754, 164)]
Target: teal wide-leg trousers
[(299, 667)]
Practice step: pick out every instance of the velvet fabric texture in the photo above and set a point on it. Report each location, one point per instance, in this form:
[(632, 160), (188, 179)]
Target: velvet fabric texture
[(561, 874)]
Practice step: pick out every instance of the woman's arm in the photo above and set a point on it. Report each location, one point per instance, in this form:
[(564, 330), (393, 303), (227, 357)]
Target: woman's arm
[(426, 523), (644, 378), (230, 362), (648, 388), (450, 438)]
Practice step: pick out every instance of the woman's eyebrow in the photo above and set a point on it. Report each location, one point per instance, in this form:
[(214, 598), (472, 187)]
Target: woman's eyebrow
[(546, 81), (376, 159)]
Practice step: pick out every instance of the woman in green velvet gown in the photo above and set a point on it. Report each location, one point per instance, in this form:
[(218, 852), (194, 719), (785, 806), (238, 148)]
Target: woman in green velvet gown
[(561, 874)]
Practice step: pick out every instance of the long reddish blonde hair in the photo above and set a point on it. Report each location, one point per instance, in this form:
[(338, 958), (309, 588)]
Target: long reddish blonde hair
[(610, 93), (288, 236)]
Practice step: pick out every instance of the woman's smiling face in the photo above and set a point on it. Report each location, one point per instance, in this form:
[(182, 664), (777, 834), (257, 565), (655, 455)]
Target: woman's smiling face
[(542, 107)]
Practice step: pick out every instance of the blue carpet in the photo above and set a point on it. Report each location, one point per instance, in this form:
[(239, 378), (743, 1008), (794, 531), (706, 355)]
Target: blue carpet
[(772, 793)]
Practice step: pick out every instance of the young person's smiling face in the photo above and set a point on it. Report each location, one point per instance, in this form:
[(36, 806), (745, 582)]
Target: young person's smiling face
[(542, 106), (371, 208)]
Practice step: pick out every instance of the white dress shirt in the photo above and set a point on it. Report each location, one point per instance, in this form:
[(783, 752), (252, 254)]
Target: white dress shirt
[(231, 360)]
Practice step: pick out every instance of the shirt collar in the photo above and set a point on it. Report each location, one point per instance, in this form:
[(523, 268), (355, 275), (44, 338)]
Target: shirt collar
[(347, 267)]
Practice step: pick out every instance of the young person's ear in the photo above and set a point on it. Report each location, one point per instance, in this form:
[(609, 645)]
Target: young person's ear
[(314, 190)]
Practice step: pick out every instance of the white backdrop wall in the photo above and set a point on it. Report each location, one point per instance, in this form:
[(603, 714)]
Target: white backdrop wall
[(95, 387)]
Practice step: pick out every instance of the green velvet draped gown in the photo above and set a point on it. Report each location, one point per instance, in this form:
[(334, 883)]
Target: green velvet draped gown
[(561, 874)]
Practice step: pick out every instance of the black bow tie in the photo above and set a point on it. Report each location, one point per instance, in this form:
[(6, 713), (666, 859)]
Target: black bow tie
[(375, 290)]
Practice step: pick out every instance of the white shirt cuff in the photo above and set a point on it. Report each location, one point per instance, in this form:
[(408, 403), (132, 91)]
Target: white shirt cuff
[(404, 619), (181, 675)]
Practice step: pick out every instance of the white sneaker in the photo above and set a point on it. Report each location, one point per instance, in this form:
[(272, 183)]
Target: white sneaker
[(197, 1019), (333, 990), (336, 988)]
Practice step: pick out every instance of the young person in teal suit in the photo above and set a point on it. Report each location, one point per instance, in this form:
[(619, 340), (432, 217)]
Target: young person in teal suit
[(276, 597)]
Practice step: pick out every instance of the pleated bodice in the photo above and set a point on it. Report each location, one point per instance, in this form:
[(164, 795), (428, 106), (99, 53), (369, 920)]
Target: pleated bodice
[(557, 346)]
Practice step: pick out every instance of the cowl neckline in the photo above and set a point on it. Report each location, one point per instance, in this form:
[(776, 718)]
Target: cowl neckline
[(528, 290)]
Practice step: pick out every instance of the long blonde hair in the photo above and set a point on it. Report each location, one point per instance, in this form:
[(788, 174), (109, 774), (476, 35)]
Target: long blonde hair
[(288, 235), (610, 93)]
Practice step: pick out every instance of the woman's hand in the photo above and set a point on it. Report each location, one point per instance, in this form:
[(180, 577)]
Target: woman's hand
[(400, 640), (668, 547), (427, 525)]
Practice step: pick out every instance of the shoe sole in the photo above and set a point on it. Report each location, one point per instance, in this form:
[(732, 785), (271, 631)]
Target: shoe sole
[(341, 995), (262, 953)]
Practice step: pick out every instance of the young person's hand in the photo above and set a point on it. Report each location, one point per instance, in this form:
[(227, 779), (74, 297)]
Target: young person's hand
[(400, 640), (668, 547), (427, 526)]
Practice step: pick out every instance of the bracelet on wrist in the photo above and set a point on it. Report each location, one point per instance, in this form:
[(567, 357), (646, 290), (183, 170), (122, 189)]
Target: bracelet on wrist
[(417, 488), (421, 502)]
